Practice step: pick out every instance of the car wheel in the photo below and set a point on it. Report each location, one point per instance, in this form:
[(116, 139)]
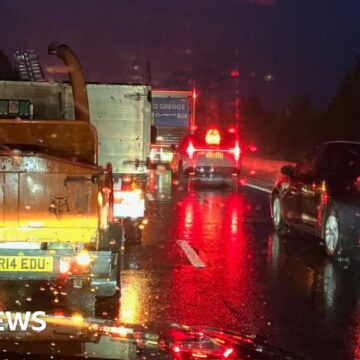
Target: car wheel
[(235, 184), (277, 219), (132, 232), (331, 234), (109, 306)]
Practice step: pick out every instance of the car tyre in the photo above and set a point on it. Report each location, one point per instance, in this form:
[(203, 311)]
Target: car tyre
[(235, 184), (331, 233), (183, 178), (276, 211), (132, 232)]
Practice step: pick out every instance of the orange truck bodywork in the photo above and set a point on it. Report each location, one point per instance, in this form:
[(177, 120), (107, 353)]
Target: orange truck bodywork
[(53, 203), (49, 192)]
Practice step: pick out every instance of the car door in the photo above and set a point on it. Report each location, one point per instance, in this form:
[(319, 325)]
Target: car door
[(292, 205), (315, 185), (347, 195)]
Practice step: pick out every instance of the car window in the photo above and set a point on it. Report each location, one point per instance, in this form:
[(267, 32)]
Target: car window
[(227, 139), (328, 160), (308, 165), (349, 166)]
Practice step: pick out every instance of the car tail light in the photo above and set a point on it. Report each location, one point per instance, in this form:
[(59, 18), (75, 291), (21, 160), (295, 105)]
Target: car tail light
[(64, 265), (190, 150), (212, 137), (83, 259), (237, 151)]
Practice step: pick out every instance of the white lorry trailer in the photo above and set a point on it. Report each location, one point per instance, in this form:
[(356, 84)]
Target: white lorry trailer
[(122, 117), (173, 114)]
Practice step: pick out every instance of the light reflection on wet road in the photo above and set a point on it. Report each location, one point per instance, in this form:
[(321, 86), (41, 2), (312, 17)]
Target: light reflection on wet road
[(280, 287)]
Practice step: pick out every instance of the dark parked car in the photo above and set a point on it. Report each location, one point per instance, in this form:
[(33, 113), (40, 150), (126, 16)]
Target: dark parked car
[(321, 195)]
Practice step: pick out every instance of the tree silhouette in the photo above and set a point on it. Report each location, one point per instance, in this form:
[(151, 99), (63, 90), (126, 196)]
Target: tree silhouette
[(343, 114)]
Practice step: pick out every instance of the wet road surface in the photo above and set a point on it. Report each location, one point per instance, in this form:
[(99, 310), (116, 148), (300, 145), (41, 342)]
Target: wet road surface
[(210, 257)]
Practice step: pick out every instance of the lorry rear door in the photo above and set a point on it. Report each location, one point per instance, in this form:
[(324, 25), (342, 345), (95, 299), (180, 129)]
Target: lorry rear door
[(122, 117), (57, 201)]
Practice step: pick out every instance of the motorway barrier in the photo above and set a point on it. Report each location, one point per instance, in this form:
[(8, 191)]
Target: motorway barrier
[(265, 170)]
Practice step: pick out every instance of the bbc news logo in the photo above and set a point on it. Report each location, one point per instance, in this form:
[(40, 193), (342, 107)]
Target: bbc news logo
[(22, 321)]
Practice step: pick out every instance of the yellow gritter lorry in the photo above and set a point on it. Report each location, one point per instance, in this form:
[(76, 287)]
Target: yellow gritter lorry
[(54, 199)]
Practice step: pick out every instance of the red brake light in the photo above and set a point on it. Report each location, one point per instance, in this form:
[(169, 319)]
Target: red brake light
[(252, 148), (64, 265), (212, 137), (237, 151), (190, 150)]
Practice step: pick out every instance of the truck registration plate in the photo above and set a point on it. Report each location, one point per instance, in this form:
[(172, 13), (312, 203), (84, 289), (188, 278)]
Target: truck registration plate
[(214, 155), (26, 263)]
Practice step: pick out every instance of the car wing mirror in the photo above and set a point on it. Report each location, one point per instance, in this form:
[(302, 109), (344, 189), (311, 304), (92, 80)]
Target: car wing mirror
[(287, 170)]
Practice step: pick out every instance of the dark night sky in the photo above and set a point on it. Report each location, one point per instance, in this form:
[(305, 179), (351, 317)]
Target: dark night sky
[(306, 44)]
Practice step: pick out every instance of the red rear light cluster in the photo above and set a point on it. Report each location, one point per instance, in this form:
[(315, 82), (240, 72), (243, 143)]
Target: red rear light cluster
[(190, 150), (78, 265), (237, 151), (213, 137)]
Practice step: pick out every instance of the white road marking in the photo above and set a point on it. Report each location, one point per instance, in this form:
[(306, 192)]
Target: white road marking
[(263, 189), (150, 197), (191, 254)]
